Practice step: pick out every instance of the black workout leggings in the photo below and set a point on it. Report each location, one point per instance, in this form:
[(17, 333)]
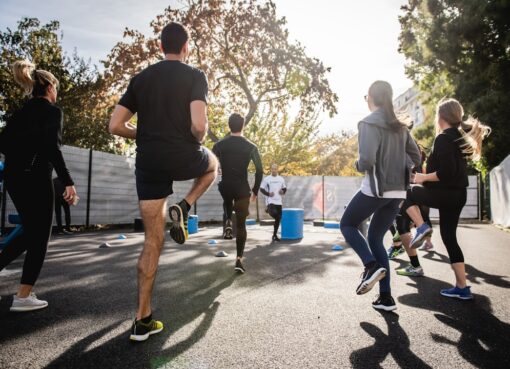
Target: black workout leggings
[(234, 198), (275, 211), (403, 222), (449, 202), (59, 204), (33, 197)]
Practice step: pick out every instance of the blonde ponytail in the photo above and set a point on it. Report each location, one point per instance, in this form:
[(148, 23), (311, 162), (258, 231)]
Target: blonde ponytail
[(473, 132), (23, 71), (33, 82)]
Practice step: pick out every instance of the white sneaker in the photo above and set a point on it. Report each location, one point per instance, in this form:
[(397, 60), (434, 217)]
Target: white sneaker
[(29, 303)]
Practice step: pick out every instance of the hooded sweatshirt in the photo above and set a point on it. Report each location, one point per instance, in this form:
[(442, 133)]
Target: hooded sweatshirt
[(383, 156)]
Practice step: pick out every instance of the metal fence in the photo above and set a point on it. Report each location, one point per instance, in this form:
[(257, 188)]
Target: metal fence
[(106, 186)]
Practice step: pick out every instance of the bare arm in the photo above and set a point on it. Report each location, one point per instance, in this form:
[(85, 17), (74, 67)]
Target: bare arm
[(199, 123), (119, 123), (420, 178)]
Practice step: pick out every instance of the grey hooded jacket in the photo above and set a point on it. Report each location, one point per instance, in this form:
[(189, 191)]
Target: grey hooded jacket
[(382, 154)]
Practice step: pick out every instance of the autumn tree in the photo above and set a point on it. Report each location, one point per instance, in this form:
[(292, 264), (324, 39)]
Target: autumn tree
[(80, 92), (245, 51), (462, 49)]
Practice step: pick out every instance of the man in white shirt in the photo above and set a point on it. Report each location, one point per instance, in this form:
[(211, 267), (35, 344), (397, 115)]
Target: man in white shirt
[(273, 187)]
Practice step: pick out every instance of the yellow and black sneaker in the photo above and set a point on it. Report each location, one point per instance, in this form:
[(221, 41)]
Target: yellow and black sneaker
[(142, 329), (179, 216)]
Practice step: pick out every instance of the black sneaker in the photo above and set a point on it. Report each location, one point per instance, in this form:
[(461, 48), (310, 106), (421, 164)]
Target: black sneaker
[(228, 233), (239, 268), (141, 331), (369, 278), (384, 303), (276, 239), (179, 216)]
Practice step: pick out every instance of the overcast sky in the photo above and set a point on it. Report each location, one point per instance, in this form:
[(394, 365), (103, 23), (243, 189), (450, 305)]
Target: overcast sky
[(357, 39)]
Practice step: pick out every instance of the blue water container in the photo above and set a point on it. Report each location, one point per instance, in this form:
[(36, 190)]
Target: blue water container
[(192, 224), (292, 223)]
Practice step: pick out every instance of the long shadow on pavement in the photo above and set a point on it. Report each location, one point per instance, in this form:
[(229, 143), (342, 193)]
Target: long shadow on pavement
[(396, 343), (94, 290), (484, 339), (472, 274)]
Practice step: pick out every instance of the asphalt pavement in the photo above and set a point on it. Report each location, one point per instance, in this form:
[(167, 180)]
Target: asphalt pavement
[(295, 307)]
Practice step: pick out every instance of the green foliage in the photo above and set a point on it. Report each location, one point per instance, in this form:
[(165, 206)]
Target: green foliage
[(461, 49), (80, 93)]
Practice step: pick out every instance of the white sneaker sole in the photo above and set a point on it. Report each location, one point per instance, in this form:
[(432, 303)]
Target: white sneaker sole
[(370, 283), (239, 270), (22, 309), (384, 307), (456, 296), (144, 337)]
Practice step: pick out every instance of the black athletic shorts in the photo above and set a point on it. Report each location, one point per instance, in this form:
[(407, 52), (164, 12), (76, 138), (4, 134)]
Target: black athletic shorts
[(153, 185)]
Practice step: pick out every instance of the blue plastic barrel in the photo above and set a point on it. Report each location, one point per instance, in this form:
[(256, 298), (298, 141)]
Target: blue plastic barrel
[(192, 224), (292, 223)]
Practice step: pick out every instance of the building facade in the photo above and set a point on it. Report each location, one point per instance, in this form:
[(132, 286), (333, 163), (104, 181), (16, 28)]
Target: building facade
[(409, 103)]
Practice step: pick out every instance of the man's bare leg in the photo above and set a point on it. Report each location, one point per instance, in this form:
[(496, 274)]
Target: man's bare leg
[(203, 183), (153, 216)]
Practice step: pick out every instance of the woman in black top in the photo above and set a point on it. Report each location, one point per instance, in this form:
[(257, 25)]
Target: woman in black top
[(31, 143), (445, 182)]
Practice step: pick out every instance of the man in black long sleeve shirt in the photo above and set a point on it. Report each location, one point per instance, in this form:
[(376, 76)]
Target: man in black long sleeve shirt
[(235, 153)]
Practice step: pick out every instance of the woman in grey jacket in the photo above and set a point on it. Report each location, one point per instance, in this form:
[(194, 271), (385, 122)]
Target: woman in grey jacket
[(384, 146)]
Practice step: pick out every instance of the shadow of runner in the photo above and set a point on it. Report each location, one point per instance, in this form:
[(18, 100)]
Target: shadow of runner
[(472, 274), (122, 353), (396, 343), (484, 339)]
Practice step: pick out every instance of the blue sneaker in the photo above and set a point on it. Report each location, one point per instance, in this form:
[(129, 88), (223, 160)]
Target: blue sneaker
[(458, 293), (421, 233), (394, 252)]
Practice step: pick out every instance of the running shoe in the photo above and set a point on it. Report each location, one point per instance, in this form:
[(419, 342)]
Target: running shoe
[(411, 271), (396, 237), (239, 268), (179, 217), (427, 246), (421, 233), (458, 293), (141, 331), (276, 239), (384, 303), (29, 303), (369, 278), (395, 251), (228, 233)]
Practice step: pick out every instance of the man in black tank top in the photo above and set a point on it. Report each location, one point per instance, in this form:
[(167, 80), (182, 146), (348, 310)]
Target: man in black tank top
[(235, 153)]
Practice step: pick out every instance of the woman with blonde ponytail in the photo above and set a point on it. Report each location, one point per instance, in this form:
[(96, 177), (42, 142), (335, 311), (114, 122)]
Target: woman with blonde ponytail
[(31, 143), (444, 185)]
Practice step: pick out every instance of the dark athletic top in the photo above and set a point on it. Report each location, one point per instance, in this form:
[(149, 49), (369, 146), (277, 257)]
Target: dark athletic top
[(448, 161), (161, 95), (235, 154), (32, 138)]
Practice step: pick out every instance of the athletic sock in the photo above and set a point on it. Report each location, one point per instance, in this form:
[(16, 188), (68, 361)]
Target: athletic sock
[(147, 319), (184, 202), (414, 261)]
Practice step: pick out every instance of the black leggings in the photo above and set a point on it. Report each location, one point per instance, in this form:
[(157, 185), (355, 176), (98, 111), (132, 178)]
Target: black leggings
[(403, 222), (236, 196), (59, 204), (275, 211), (33, 197), (449, 202)]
